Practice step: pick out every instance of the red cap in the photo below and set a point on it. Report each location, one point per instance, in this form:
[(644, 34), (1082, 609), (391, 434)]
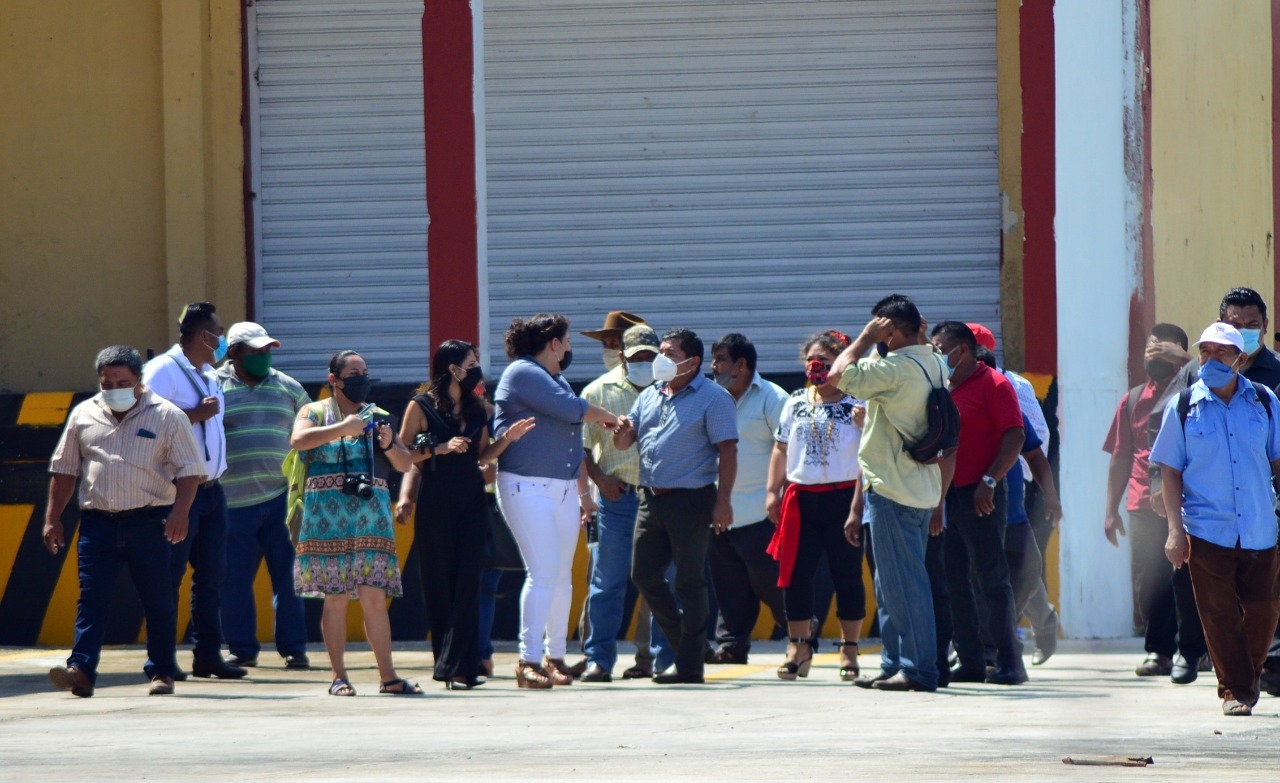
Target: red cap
[(983, 335)]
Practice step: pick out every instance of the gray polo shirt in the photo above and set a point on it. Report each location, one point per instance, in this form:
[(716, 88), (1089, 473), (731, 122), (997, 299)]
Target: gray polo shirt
[(677, 434), (553, 448)]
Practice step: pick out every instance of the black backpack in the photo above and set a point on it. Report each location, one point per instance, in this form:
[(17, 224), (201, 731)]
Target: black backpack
[(1184, 401), (943, 436)]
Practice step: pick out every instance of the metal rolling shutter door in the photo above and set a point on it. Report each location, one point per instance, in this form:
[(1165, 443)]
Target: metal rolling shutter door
[(765, 167), (342, 245)]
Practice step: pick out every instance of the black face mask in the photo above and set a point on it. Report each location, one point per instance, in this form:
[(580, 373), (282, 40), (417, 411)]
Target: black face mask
[(1159, 371), (567, 360), (356, 388), (882, 349), (471, 380)]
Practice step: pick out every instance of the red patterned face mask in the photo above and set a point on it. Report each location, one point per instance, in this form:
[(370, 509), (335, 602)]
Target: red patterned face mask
[(816, 372)]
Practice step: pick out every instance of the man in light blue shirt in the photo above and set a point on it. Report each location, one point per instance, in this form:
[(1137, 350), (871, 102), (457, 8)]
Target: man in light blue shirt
[(687, 433), (742, 572), (1218, 450)]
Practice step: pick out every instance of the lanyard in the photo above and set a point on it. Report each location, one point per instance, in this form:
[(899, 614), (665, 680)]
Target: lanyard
[(202, 391)]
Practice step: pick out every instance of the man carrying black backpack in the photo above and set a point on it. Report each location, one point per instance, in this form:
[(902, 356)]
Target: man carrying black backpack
[(897, 382)]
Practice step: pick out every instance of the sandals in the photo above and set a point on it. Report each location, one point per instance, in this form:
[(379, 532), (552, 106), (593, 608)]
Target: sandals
[(849, 671), (637, 672), (400, 687), (340, 687), (532, 676), (793, 669), (1236, 708)]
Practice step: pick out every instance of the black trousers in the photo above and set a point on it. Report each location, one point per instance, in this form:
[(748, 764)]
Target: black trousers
[(975, 548), (822, 518), (675, 527), (449, 535), (1165, 599), (744, 575)]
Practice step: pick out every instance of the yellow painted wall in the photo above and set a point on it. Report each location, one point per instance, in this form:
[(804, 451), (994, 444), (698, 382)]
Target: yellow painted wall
[(121, 196), (1013, 231), (1211, 214)]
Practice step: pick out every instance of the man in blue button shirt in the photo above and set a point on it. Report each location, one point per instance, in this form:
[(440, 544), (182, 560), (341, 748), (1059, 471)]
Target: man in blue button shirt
[(687, 431), (1218, 449)]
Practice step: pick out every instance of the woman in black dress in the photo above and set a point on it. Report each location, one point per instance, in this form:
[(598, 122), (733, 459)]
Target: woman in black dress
[(447, 488)]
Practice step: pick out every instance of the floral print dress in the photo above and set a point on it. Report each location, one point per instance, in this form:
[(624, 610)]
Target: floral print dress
[(345, 540)]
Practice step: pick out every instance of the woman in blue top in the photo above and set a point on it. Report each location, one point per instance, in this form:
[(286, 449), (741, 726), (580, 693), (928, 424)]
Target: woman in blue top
[(347, 546), (541, 488)]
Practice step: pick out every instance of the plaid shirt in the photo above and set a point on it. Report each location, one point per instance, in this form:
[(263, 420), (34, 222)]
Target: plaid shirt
[(613, 392)]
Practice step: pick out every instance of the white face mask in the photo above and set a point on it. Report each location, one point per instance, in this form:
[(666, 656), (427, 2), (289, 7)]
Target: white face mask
[(611, 359), (119, 400), (640, 373), (664, 368)]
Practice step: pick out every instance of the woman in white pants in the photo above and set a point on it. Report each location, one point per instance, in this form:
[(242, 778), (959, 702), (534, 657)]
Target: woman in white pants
[(542, 488)]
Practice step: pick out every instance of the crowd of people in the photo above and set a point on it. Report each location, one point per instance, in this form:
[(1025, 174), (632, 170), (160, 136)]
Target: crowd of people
[(712, 493)]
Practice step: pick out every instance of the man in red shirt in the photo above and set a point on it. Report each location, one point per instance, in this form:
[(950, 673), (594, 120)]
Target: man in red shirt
[(1168, 630), (991, 436)]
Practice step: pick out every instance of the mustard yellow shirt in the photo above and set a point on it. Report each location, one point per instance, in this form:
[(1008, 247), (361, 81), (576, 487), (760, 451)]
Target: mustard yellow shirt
[(896, 390)]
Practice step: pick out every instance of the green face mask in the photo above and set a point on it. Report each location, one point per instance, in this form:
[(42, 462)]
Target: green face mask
[(257, 365)]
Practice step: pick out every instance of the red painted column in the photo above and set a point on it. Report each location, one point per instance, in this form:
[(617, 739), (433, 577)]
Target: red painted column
[(1039, 272), (448, 77), (1142, 305)]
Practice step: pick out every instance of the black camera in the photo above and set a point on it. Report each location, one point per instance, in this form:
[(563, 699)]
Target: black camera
[(425, 441), (359, 485)]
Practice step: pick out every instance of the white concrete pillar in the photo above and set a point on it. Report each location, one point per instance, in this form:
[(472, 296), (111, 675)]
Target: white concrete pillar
[(1098, 264)]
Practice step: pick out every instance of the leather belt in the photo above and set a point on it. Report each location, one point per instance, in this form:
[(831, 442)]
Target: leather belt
[(659, 491), (133, 512)]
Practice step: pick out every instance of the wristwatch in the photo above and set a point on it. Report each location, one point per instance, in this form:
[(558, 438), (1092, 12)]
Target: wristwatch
[(990, 482)]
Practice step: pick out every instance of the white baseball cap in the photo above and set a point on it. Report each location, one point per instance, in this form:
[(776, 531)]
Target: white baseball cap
[(253, 335), (1222, 334)]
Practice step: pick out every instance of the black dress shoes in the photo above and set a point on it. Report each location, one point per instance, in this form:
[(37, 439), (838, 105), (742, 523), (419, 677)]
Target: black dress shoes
[(675, 676), (900, 682), (961, 674), (299, 662), (1183, 671), (596, 673), (1007, 675), (216, 667), (243, 660)]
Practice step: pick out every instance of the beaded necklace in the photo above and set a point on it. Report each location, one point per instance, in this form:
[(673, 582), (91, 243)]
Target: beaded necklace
[(813, 422)]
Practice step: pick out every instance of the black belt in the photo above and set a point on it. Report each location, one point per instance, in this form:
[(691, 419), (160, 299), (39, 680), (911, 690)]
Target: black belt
[(658, 491), (210, 484), (133, 512)]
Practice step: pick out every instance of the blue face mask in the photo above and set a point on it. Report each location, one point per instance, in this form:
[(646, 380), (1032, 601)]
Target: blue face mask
[(1215, 374), (951, 371), (220, 352), (1252, 339)]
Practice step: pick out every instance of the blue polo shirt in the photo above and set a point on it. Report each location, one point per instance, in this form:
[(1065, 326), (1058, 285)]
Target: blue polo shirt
[(1015, 479), (1225, 456), (677, 434), (553, 448)]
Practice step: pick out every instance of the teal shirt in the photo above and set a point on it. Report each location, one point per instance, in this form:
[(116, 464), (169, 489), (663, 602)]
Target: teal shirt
[(258, 421)]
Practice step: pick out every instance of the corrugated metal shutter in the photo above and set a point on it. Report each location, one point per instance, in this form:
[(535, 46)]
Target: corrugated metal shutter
[(342, 235), (766, 167)]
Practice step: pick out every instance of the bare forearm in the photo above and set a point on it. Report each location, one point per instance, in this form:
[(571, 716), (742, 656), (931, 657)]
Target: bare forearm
[(1042, 472), (1010, 445), (61, 488), (1117, 480), (850, 356), (311, 437), (777, 468), (1172, 497), (728, 470), (409, 485), (186, 487)]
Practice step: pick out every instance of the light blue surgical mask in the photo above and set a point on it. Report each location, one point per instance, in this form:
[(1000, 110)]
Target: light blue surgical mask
[(1215, 374), (220, 352), (1252, 339)]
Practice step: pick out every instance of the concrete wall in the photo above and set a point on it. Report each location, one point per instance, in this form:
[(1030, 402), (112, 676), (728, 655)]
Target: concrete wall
[(1212, 218), (122, 192)]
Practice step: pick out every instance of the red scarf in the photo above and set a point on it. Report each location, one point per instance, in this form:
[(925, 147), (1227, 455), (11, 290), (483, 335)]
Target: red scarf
[(786, 536)]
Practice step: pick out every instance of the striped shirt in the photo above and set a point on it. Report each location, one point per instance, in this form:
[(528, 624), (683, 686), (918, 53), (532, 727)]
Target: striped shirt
[(128, 464), (613, 392), (258, 421), (678, 433)]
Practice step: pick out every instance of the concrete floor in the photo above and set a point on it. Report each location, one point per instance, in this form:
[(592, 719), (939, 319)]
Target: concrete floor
[(744, 724)]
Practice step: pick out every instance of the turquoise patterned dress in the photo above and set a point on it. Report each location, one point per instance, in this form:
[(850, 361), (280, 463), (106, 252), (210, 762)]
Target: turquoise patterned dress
[(345, 540)]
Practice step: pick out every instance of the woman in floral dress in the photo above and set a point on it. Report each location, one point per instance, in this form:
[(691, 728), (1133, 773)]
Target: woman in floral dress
[(346, 547)]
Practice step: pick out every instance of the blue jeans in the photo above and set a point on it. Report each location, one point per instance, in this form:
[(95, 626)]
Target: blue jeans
[(103, 546), (205, 547), (610, 571), (899, 535), (253, 533)]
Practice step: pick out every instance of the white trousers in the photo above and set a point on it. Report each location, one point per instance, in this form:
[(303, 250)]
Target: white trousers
[(543, 516)]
